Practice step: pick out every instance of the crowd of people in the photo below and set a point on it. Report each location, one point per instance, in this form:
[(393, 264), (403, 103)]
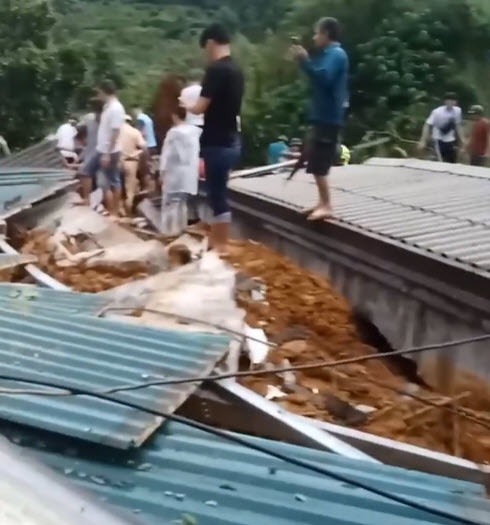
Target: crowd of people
[(112, 149), (443, 131)]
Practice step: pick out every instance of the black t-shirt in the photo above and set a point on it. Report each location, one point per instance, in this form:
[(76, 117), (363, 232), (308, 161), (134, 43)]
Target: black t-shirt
[(224, 86)]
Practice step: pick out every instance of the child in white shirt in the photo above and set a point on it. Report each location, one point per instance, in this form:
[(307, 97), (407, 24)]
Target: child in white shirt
[(179, 172)]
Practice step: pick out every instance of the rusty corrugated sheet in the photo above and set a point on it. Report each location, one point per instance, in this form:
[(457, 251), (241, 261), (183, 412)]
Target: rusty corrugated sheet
[(97, 354)]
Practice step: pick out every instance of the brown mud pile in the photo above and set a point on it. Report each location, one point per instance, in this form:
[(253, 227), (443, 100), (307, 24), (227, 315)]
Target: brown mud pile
[(311, 323), (80, 278)]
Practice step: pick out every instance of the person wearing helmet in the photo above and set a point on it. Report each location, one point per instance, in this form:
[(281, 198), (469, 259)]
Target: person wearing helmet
[(344, 155)]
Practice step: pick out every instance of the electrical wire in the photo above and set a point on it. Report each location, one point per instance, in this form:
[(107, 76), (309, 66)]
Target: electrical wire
[(258, 448), (281, 370), (273, 371)]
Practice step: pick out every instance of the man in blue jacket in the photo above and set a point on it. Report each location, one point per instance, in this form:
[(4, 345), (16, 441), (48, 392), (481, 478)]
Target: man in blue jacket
[(328, 69)]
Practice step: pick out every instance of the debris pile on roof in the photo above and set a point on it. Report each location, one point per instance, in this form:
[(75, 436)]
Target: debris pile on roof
[(85, 271), (311, 323)]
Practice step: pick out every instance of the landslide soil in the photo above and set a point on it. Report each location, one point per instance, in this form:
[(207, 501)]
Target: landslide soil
[(301, 301), (80, 277)]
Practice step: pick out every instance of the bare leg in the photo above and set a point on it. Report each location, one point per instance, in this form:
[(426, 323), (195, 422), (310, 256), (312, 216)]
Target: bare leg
[(109, 202), (131, 182), (85, 189), (324, 209), (116, 196), (218, 237)]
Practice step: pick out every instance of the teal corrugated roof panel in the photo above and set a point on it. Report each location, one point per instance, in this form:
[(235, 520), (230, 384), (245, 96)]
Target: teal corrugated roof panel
[(182, 471), (19, 189), (98, 354), (30, 298)]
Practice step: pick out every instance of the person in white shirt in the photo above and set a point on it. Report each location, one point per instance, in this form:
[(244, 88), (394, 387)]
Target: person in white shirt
[(179, 172), (65, 137), (4, 147), (109, 147), (444, 125), (189, 97)]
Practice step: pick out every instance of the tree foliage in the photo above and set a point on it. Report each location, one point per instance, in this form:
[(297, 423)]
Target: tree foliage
[(404, 54), (39, 81)]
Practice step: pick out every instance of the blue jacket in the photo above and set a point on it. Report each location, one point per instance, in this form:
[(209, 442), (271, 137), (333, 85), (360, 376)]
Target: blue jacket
[(328, 71)]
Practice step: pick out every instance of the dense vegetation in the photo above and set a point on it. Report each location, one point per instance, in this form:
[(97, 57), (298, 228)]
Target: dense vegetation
[(404, 54)]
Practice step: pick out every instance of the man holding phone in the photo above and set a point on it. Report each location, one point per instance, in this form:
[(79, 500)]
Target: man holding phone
[(327, 69)]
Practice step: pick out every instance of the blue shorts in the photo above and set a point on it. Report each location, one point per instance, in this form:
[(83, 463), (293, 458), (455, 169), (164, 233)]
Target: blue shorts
[(111, 176)]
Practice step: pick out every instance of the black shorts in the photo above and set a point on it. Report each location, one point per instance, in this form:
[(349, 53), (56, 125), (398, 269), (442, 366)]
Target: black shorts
[(322, 146)]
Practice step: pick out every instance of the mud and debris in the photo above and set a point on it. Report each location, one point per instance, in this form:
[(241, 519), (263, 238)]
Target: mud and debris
[(301, 313), (84, 276), (311, 322)]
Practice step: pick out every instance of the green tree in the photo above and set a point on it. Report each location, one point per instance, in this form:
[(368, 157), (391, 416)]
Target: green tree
[(26, 69)]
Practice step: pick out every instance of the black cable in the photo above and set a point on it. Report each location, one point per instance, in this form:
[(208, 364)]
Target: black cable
[(259, 448), (299, 368)]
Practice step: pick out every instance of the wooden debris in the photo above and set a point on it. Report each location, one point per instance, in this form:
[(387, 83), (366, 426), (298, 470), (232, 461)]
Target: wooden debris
[(440, 403), (7, 262)]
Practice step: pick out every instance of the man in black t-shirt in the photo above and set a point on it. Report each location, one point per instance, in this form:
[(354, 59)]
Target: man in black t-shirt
[(220, 101)]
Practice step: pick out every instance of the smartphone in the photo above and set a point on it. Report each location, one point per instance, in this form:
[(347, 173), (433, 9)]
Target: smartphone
[(295, 40)]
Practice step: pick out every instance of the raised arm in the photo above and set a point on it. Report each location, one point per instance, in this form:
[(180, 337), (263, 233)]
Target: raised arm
[(327, 70)]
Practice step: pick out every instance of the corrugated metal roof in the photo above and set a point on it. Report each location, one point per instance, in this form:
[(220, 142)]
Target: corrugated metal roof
[(29, 298), (20, 188), (421, 204), (41, 155), (95, 354), (188, 472)]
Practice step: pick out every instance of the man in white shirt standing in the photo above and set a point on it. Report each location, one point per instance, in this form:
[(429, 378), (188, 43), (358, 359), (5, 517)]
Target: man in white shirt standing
[(445, 126), (109, 147), (65, 137)]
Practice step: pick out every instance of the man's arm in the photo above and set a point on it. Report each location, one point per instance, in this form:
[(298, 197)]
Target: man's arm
[(4, 147), (459, 129), (325, 72), (210, 87), (425, 136), (426, 131)]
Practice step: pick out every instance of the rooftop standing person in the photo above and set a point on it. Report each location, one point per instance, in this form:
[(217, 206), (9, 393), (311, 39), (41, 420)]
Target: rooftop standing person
[(327, 69), (91, 125), (145, 125), (444, 126), (478, 145), (276, 150), (65, 136), (108, 148), (220, 102), (179, 172), (132, 145)]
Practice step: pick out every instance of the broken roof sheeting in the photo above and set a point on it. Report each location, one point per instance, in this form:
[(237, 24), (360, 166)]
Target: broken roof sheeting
[(20, 188), (41, 155), (29, 298), (98, 354), (188, 472), (440, 209)]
